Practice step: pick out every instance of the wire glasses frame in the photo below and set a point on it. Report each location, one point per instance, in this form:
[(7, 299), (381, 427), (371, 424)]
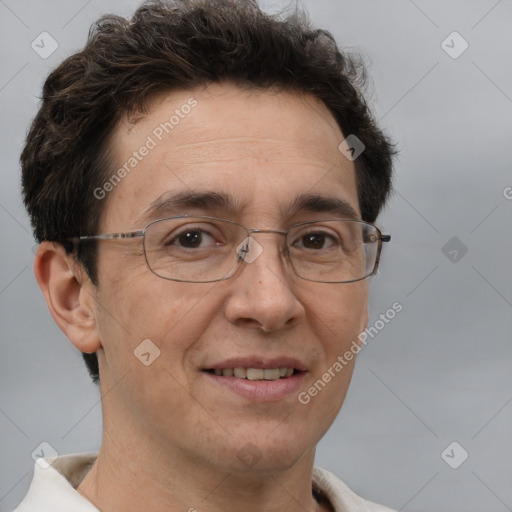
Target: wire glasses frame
[(203, 249)]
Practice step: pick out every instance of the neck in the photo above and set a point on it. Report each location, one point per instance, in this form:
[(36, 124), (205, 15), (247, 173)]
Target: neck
[(123, 478), (144, 467)]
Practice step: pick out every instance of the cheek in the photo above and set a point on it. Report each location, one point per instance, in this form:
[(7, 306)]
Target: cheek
[(339, 311), (172, 315), (337, 319)]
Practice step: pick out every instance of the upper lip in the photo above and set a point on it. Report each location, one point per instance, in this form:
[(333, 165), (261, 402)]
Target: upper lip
[(259, 362)]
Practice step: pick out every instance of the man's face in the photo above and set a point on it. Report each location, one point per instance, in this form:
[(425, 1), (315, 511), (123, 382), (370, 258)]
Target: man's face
[(262, 151)]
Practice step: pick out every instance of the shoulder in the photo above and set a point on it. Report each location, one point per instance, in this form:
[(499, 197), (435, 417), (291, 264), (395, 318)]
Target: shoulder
[(341, 497)]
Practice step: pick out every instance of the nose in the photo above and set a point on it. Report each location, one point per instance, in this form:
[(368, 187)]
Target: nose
[(263, 290)]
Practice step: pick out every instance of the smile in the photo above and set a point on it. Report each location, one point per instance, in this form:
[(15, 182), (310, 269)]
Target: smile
[(254, 373)]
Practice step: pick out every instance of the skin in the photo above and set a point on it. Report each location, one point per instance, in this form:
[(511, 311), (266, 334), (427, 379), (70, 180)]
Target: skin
[(171, 438)]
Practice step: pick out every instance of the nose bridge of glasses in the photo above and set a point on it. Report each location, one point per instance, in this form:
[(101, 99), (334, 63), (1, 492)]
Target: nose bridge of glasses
[(250, 249), (258, 230)]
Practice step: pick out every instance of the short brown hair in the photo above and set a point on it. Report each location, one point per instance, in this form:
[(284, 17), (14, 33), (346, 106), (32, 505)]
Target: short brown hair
[(172, 45)]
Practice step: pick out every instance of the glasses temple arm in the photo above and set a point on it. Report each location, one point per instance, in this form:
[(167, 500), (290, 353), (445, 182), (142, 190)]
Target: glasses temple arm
[(113, 236)]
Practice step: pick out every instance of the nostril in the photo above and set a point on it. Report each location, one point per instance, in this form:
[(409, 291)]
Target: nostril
[(250, 322)]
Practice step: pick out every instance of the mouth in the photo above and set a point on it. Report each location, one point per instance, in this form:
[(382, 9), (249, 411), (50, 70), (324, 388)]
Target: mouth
[(241, 372), (256, 379)]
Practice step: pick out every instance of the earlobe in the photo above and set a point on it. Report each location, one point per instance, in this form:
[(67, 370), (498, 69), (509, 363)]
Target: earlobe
[(66, 294)]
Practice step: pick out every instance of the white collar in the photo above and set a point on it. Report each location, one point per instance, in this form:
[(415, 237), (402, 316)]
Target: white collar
[(53, 489)]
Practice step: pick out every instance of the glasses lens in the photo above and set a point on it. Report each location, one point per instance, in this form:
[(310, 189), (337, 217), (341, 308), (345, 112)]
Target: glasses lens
[(336, 251), (193, 249)]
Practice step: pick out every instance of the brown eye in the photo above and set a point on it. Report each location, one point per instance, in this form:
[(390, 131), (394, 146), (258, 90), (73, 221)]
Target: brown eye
[(314, 241), (190, 239)]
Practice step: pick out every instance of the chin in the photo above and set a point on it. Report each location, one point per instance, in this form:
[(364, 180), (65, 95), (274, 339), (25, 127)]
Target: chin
[(260, 455)]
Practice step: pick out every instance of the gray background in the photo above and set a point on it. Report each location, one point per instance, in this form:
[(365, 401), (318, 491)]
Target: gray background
[(440, 371)]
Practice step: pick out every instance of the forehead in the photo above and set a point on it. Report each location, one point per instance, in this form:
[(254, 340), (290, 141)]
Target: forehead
[(259, 149)]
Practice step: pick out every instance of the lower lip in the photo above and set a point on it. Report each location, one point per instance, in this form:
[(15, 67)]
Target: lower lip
[(260, 390)]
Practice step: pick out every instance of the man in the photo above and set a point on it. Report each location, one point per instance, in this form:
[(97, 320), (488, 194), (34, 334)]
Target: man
[(202, 180)]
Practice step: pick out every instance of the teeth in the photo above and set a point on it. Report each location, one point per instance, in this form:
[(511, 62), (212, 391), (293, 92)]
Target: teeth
[(255, 373), (241, 373), (271, 373)]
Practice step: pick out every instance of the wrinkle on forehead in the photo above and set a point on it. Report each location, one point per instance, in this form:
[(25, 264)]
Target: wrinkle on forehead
[(262, 148)]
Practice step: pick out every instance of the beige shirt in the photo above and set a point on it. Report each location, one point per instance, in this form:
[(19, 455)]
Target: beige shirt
[(53, 488)]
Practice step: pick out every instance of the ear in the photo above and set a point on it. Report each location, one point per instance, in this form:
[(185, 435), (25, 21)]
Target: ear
[(69, 295)]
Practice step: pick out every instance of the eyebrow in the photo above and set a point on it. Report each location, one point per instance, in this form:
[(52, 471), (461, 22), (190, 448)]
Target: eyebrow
[(174, 203), (216, 202), (316, 203)]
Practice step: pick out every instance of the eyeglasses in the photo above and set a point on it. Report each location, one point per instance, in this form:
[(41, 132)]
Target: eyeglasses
[(207, 249)]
